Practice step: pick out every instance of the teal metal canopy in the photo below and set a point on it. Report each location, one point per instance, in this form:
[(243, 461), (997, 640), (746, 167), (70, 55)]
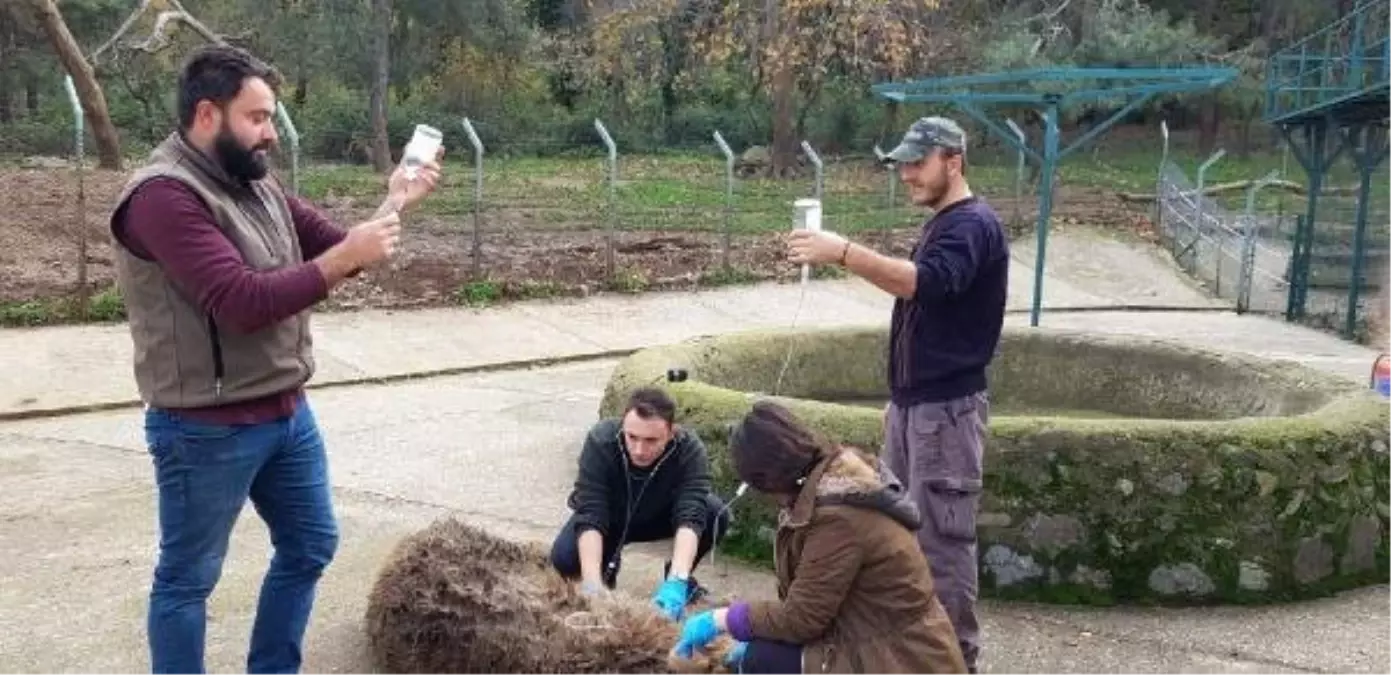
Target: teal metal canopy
[(1052, 90)]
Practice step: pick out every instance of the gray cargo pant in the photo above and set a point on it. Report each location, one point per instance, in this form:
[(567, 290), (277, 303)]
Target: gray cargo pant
[(936, 450)]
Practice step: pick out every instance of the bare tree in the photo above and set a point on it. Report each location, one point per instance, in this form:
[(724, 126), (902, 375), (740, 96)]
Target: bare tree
[(159, 35), (89, 91), (381, 80)]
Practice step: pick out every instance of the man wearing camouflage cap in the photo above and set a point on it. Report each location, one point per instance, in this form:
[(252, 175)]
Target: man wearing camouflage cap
[(947, 316)]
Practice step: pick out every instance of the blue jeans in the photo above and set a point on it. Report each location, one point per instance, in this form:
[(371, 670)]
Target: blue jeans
[(205, 474)]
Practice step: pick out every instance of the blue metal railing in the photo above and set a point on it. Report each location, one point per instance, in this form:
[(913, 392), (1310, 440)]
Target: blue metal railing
[(1347, 59)]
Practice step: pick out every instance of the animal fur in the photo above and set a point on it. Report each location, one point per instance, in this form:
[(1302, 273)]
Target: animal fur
[(455, 599)]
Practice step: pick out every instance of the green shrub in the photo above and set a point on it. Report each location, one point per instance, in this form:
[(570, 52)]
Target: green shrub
[(1117, 469)]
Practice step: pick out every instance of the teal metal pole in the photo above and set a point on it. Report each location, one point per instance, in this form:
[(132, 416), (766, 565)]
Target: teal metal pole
[(1359, 251), (1316, 148), (1291, 298), (1368, 153), (1159, 180), (1356, 51), (1045, 202), (1315, 158)]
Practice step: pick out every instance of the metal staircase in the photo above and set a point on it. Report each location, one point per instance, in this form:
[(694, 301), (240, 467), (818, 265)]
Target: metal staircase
[(1341, 70)]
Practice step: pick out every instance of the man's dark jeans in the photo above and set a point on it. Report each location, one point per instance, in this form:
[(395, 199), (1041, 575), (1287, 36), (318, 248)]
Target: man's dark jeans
[(565, 552), (205, 474)]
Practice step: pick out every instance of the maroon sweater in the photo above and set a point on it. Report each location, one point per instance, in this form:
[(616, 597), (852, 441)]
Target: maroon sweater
[(165, 221)]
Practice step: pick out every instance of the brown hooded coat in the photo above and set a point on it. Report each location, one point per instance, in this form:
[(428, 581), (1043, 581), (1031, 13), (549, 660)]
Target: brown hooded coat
[(854, 587)]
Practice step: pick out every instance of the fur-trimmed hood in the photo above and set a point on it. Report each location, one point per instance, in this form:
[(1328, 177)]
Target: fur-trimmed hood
[(851, 478), (854, 588)]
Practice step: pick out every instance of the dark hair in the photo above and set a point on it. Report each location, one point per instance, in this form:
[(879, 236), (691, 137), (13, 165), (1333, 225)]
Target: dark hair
[(948, 153), (650, 402), (216, 73), (772, 451)]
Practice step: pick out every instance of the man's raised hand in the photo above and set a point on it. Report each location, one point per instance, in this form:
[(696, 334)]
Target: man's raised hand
[(404, 192), (814, 248), (366, 244), (373, 241)]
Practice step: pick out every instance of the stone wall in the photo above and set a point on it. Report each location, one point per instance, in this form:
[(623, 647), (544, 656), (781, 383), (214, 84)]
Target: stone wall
[(1260, 481)]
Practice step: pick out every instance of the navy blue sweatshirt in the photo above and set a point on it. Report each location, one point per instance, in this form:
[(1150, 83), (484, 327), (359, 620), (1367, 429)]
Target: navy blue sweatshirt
[(942, 339)]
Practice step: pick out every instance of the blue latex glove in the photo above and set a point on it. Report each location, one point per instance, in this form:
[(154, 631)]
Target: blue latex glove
[(696, 633), (591, 590), (735, 658), (670, 598)]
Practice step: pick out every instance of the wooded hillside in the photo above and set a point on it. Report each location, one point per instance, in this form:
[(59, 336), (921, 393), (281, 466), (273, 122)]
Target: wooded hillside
[(533, 74)]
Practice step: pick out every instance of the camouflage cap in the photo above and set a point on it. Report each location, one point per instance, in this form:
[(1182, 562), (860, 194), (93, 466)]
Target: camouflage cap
[(925, 134)]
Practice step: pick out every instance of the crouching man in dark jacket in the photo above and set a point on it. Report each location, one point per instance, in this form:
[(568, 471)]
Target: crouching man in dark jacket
[(641, 478)]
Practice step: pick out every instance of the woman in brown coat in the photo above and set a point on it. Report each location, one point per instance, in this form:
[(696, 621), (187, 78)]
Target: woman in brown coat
[(854, 590)]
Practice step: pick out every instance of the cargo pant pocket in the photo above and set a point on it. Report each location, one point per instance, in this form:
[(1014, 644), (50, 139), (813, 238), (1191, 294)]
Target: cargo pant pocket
[(952, 503)]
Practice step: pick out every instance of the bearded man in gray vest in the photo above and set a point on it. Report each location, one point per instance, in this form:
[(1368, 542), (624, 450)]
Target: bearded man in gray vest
[(219, 268)]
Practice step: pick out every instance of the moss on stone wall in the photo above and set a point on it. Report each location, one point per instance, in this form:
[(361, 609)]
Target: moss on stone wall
[(1232, 479)]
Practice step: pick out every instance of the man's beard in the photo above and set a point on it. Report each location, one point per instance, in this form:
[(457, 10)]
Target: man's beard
[(240, 163), (937, 193), (932, 194)]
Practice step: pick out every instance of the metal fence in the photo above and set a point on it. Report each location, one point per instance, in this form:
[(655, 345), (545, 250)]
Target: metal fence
[(1245, 255), (1333, 300), (1240, 256)]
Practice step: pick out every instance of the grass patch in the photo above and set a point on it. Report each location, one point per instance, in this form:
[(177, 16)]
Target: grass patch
[(687, 191), (478, 293), (105, 306), (488, 292), (733, 276), (629, 280)]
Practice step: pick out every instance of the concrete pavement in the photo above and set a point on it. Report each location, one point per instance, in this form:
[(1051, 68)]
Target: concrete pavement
[(67, 369), (497, 447), (61, 369)]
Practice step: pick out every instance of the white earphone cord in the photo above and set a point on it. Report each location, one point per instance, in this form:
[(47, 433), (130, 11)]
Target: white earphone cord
[(715, 545), (791, 339)]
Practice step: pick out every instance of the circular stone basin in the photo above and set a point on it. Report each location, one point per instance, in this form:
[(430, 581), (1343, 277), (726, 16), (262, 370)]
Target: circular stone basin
[(1117, 469)]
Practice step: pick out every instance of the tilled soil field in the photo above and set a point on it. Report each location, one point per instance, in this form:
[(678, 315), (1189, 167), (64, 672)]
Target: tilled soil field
[(519, 257)]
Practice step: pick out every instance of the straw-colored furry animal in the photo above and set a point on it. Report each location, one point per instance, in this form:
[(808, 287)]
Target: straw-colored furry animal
[(455, 599)]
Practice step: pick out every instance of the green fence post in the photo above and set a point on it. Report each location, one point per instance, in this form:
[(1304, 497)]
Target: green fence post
[(80, 231), (612, 166), (477, 144), (728, 198)]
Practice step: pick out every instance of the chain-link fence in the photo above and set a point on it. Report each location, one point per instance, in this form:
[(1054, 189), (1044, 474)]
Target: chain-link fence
[(508, 201), (1241, 256), (526, 216), (1242, 248)]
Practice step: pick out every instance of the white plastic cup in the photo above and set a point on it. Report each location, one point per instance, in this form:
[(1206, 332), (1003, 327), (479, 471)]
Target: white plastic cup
[(806, 215), (421, 149)]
